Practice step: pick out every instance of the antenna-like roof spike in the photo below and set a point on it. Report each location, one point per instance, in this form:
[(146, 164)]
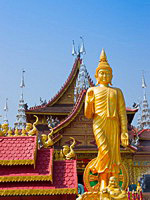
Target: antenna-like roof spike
[(21, 117), (82, 48), (22, 84), (6, 105), (143, 81), (6, 110), (73, 49)]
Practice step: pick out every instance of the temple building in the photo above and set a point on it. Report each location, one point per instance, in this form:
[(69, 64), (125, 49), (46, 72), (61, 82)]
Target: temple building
[(65, 113), (52, 143)]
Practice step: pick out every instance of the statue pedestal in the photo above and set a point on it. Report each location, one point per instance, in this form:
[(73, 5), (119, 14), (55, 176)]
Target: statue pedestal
[(100, 196)]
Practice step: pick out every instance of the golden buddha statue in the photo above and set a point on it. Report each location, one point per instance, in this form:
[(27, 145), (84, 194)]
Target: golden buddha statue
[(105, 104)]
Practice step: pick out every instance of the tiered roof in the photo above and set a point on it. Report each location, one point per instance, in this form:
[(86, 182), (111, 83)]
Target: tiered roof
[(69, 110), (42, 171), (18, 150), (38, 173), (54, 107), (48, 108), (64, 182)]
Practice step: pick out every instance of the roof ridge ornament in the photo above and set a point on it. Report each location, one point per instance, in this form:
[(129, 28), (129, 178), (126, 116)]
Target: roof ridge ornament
[(143, 81), (74, 53), (22, 84), (6, 112), (82, 47), (144, 123), (21, 116)]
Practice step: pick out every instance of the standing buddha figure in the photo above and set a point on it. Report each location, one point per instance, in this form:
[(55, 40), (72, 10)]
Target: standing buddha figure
[(106, 105)]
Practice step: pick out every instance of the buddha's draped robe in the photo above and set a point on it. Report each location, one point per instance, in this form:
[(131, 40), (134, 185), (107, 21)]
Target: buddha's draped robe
[(109, 120)]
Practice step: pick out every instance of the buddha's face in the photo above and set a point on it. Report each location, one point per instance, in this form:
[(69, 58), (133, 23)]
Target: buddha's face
[(104, 76)]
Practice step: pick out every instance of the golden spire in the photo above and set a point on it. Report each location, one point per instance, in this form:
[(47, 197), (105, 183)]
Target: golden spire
[(103, 56)]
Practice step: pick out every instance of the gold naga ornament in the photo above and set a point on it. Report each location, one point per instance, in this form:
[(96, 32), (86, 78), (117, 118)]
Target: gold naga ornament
[(4, 129), (106, 106), (47, 139), (67, 152), (32, 129)]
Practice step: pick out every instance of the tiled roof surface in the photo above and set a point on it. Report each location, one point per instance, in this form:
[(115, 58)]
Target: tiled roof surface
[(42, 171), (18, 150), (65, 174), (64, 181)]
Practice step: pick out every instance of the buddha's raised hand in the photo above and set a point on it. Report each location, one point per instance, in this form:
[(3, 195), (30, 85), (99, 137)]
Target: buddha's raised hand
[(90, 94), (124, 139)]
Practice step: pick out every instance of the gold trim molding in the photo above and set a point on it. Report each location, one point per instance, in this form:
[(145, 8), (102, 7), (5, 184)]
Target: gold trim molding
[(17, 162), (25, 178), (27, 192)]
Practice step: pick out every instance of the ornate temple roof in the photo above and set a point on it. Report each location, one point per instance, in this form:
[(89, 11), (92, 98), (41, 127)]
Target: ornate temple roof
[(27, 169), (42, 172), (18, 150), (64, 182), (47, 107)]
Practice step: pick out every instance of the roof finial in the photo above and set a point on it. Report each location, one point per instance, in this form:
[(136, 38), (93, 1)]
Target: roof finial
[(21, 117), (145, 117), (143, 81), (103, 56), (22, 84), (82, 48), (74, 53), (6, 111), (6, 105)]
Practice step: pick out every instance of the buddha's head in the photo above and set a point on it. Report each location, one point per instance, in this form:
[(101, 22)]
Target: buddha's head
[(103, 73)]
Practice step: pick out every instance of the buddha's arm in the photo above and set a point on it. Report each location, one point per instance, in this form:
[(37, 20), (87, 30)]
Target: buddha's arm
[(89, 104), (123, 119), (122, 112)]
